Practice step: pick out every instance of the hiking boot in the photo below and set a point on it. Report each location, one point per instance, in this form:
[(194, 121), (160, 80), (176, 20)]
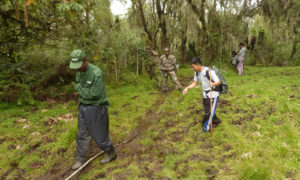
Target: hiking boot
[(216, 122), (77, 165), (109, 156)]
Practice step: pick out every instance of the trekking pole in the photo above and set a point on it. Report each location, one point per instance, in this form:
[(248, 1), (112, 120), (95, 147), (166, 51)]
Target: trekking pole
[(210, 101)]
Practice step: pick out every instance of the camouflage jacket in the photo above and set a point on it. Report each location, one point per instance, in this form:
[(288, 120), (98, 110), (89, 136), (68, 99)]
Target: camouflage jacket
[(167, 62), (152, 57)]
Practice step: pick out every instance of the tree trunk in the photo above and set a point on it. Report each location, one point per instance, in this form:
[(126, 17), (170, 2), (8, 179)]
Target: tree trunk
[(261, 36), (17, 10), (164, 39), (87, 12), (252, 42), (54, 10), (294, 50), (26, 14), (222, 34), (182, 51), (162, 25), (182, 48), (201, 15), (54, 17), (212, 14), (116, 70), (142, 15)]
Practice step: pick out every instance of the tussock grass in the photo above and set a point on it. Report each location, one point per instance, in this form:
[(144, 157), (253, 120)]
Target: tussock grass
[(258, 137)]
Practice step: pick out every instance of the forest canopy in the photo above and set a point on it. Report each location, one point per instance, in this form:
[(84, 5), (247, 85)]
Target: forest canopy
[(38, 35)]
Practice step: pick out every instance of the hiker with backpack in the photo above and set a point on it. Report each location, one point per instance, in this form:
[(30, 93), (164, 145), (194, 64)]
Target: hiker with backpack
[(211, 85)]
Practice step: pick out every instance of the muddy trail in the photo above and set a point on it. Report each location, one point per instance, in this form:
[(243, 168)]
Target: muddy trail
[(151, 158), (162, 143), (59, 171), (162, 138)]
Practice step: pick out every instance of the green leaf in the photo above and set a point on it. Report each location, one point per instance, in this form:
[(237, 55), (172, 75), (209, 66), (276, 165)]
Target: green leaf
[(63, 7)]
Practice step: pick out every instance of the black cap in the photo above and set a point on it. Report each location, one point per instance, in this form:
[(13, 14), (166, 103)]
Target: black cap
[(196, 60)]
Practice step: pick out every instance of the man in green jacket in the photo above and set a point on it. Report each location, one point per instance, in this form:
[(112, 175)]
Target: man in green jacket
[(93, 121)]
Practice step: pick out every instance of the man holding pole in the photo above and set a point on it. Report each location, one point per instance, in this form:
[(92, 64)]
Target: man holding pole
[(209, 81)]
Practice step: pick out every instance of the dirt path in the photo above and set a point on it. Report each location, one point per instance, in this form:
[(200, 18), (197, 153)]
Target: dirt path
[(142, 155), (145, 121)]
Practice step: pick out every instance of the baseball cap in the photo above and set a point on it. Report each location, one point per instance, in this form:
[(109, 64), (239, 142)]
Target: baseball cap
[(77, 56)]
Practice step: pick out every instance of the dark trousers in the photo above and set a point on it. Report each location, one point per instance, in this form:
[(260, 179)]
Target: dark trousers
[(206, 118), (93, 122)]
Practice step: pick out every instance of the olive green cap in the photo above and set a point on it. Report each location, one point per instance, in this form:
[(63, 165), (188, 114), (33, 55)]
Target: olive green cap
[(77, 56)]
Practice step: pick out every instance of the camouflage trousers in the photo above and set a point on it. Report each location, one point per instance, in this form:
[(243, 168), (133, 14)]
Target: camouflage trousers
[(150, 68), (173, 76)]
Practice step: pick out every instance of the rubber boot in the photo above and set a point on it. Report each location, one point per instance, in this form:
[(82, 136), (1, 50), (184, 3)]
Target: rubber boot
[(77, 165), (109, 156), (216, 121)]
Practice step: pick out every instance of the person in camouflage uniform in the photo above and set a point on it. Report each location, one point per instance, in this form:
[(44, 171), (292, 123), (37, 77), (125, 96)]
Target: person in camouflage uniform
[(167, 65), (150, 63)]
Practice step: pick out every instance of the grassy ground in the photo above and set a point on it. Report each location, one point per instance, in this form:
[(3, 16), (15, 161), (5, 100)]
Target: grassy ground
[(258, 139)]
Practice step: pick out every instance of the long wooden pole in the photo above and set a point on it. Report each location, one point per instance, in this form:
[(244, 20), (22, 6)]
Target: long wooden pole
[(137, 61), (96, 155), (210, 101), (101, 152)]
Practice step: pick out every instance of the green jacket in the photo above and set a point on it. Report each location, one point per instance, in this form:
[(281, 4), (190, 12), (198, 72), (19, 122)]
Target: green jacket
[(91, 87)]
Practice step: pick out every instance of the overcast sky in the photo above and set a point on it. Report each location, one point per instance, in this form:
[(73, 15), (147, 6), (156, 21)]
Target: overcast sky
[(119, 8)]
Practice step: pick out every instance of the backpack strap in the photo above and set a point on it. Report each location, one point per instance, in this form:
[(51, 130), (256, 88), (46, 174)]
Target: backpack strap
[(197, 76), (207, 74), (216, 88)]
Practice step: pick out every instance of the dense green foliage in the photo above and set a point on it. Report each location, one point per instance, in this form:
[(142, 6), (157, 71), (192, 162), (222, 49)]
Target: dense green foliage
[(34, 51), (36, 37)]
